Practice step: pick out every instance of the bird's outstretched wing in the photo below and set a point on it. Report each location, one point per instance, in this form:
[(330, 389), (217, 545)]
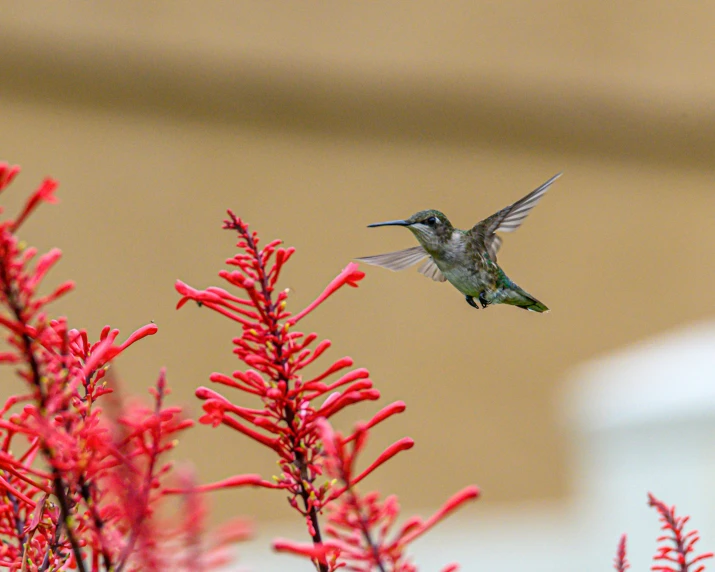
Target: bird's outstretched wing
[(510, 218), (404, 259), (396, 260)]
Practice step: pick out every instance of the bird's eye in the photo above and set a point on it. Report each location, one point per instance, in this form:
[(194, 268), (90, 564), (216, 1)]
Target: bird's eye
[(431, 220)]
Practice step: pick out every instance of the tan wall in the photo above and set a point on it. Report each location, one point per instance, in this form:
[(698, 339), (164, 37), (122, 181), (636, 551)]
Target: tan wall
[(311, 121)]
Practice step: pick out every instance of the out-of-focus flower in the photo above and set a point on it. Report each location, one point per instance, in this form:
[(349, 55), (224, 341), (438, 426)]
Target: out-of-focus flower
[(361, 528), (80, 487), (621, 563)]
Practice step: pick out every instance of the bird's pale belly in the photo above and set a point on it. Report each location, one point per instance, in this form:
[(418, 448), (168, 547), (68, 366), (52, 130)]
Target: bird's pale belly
[(469, 281)]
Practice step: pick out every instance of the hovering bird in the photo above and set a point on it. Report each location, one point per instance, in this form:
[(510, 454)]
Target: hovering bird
[(466, 258)]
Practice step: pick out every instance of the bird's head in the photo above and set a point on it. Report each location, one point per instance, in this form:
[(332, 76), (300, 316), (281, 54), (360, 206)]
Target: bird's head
[(431, 228)]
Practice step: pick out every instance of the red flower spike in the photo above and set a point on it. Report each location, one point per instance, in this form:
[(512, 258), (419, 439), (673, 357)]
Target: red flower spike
[(291, 418), (620, 563), (680, 557)]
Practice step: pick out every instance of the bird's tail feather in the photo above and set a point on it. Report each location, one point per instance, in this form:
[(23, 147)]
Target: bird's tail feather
[(535, 306), (522, 299)]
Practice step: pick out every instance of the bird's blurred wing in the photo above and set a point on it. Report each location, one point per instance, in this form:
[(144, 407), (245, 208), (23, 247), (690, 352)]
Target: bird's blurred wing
[(510, 218), (429, 269), (396, 260)]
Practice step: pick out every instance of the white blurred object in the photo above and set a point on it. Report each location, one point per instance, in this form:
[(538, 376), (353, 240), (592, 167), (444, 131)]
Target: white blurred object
[(642, 420)]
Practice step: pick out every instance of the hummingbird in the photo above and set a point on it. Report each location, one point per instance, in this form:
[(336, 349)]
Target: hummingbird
[(466, 258)]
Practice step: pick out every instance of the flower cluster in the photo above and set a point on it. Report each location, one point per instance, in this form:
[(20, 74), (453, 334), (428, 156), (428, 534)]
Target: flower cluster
[(80, 471), (677, 550), (680, 556), (293, 417)]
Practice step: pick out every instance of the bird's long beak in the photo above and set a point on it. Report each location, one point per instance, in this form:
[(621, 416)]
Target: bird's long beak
[(390, 223)]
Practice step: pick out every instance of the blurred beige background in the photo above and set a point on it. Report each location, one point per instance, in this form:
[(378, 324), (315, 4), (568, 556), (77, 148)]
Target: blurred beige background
[(311, 120)]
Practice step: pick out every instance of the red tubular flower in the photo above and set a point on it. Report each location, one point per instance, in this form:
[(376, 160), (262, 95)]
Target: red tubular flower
[(292, 419), (45, 193), (7, 174), (680, 556), (350, 276)]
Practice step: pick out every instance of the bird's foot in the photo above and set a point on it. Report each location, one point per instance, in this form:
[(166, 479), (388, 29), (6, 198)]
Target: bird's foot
[(483, 300), (471, 302)]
